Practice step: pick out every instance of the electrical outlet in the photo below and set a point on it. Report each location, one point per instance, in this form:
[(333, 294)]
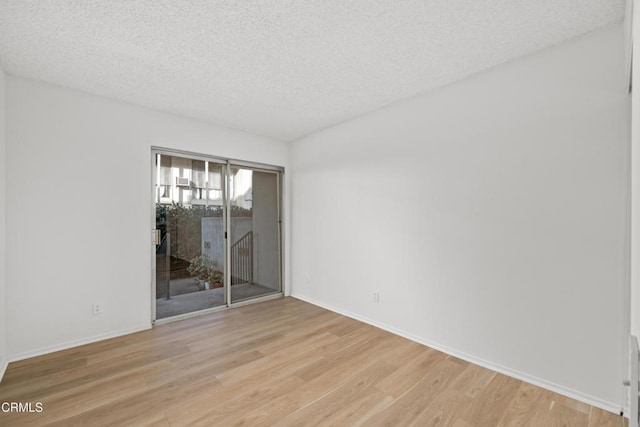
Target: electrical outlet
[(97, 309), (376, 296)]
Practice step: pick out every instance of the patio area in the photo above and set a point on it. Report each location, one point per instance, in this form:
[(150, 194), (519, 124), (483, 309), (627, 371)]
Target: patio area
[(186, 298)]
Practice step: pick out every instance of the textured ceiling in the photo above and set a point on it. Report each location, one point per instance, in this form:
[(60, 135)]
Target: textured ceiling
[(279, 68)]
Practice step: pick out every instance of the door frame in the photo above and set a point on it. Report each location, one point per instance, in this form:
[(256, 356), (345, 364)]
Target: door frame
[(227, 162), (277, 171)]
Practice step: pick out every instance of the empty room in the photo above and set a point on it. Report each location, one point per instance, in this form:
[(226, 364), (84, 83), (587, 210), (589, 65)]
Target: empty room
[(350, 213)]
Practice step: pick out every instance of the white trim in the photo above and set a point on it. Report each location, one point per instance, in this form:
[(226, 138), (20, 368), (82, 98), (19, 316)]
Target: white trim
[(252, 300), (574, 394), (152, 248), (226, 218), (122, 332), (631, 408), (77, 343), (189, 315), (217, 159), (197, 313), (3, 368)]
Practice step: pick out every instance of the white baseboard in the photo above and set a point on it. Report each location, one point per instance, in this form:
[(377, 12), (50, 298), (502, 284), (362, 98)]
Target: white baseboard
[(76, 343), (3, 368), (556, 388)]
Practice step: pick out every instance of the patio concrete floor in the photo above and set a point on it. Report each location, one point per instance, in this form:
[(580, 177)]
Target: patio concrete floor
[(186, 298)]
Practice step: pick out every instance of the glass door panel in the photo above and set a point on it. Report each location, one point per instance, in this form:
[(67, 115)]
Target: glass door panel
[(254, 233), (190, 244)]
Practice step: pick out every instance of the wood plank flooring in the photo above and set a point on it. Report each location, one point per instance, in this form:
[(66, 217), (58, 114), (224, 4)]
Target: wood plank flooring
[(283, 363)]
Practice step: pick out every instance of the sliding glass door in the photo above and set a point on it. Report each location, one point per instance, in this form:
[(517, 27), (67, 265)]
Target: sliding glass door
[(254, 226), (189, 236), (217, 233)]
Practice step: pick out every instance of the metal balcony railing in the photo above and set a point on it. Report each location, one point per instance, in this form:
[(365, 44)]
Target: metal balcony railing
[(242, 260)]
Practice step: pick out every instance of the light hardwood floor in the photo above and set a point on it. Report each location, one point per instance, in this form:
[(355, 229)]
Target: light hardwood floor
[(282, 362)]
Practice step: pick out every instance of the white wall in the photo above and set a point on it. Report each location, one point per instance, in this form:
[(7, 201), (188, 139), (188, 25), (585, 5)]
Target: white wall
[(79, 209), (3, 347), (490, 216), (635, 178)]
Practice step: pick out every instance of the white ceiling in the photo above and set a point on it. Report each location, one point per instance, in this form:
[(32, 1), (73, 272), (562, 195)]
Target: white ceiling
[(279, 68)]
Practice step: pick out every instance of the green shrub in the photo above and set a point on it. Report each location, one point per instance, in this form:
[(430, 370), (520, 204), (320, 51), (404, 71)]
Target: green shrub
[(204, 269)]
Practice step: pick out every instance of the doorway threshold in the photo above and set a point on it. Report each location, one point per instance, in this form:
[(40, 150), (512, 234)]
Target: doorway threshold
[(215, 309)]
